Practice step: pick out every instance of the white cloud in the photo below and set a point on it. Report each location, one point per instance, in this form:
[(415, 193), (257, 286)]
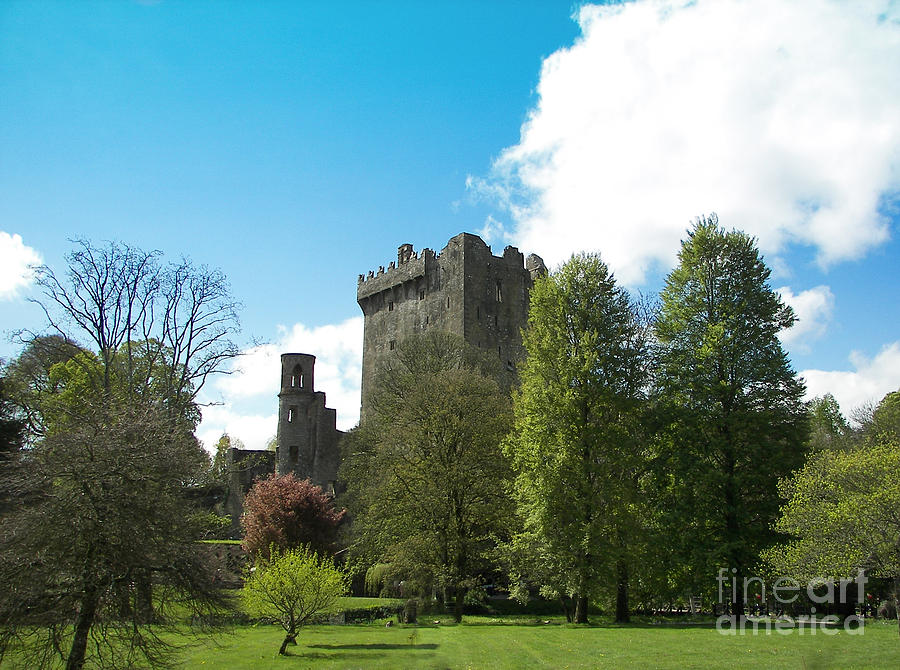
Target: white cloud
[(494, 231), (870, 380), (813, 309), (782, 117), (15, 262), (256, 374)]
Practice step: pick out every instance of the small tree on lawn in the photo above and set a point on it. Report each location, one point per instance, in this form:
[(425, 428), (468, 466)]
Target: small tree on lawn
[(292, 586), (286, 512)]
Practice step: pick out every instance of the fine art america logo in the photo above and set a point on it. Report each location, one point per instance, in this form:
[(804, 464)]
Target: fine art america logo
[(785, 592)]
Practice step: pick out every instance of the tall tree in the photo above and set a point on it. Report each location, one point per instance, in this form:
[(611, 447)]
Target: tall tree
[(102, 516), (577, 446), (738, 421), (425, 475)]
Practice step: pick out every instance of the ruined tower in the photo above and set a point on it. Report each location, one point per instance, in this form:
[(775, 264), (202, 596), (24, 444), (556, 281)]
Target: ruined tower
[(307, 436), (464, 290)]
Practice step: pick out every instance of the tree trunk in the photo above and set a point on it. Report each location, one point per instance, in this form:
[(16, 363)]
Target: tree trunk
[(288, 639), (144, 596), (83, 623), (568, 610), (460, 602), (581, 608), (622, 614)]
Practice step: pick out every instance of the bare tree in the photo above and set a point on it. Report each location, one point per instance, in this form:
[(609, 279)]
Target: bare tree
[(102, 517)]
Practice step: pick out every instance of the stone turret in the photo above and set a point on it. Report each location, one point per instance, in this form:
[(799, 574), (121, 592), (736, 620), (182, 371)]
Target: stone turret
[(307, 436)]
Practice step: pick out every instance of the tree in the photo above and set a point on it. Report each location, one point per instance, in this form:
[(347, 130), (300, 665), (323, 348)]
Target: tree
[(828, 427), (577, 446), (841, 515), (284, 512), (218, 471), (28, 379), (738, 423), (425, 475), (102, 516), (293, 586)]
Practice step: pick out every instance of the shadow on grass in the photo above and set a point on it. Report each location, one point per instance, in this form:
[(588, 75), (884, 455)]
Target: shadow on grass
[(338, 647)]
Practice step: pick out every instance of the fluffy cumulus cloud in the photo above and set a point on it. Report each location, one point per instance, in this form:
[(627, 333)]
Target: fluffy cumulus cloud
[(782, 117), (16, 260), (247, 398), (869, 381), (813, 309)]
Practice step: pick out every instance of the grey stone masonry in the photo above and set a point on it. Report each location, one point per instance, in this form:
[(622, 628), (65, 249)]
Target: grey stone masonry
[(464, 290), (307, 436)]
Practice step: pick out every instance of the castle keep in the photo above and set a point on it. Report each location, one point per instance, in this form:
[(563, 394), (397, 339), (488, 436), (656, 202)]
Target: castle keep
[(464, 290)]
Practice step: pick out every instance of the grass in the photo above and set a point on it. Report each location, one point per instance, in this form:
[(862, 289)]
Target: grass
[(510, 642)]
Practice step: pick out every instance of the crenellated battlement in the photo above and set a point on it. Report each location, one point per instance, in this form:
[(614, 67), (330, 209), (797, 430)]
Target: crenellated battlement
[(409, 266)]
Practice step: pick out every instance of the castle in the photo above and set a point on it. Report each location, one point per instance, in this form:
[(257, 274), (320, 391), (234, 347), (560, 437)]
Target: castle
[(464, 290)]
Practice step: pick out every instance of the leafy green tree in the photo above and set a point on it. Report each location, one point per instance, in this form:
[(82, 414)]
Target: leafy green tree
[(885, 419), (28, 381), (841, 514), (426, 480), (738, 423), (578, 443), (218, 471), (828, 429), (102, 515), (293, 586)]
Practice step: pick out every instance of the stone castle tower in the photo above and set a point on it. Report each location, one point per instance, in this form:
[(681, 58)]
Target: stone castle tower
[(464, 290), (307, 436)]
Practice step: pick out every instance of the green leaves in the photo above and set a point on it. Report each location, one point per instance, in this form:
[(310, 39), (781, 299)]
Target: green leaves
[(737, 421), (576, 446), (292, 586)]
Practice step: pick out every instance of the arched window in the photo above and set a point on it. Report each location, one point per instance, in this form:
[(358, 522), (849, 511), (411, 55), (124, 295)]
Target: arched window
[(297, 377)]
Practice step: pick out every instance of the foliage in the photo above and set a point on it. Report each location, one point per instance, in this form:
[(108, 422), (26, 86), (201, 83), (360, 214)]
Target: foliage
[(828, 429), (28, 382), (285, 512), (841, 513), (102, 535), (425, 475), (577, 445), (218, 472), (292, 586), (737, 423)]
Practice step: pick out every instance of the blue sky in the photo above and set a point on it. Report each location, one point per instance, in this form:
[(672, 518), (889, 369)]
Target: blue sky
[(295, 145)]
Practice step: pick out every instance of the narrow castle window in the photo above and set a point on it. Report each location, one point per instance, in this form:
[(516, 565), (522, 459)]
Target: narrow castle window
[(448, 301), (297, 377), (499, 292), (290, 415), (392, 344), (391, 306), (422, 294)]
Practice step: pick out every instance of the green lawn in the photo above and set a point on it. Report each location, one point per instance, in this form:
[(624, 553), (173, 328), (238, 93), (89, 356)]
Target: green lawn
[(482, 642)]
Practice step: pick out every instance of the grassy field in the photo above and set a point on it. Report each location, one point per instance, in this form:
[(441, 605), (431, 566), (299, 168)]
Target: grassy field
[(482, 642)]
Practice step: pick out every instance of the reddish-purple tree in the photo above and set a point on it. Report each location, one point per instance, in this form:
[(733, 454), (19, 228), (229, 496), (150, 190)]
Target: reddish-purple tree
[(288, 512)]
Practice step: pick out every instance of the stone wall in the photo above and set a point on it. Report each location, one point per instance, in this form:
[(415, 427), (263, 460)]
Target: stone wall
[(464, 290)]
